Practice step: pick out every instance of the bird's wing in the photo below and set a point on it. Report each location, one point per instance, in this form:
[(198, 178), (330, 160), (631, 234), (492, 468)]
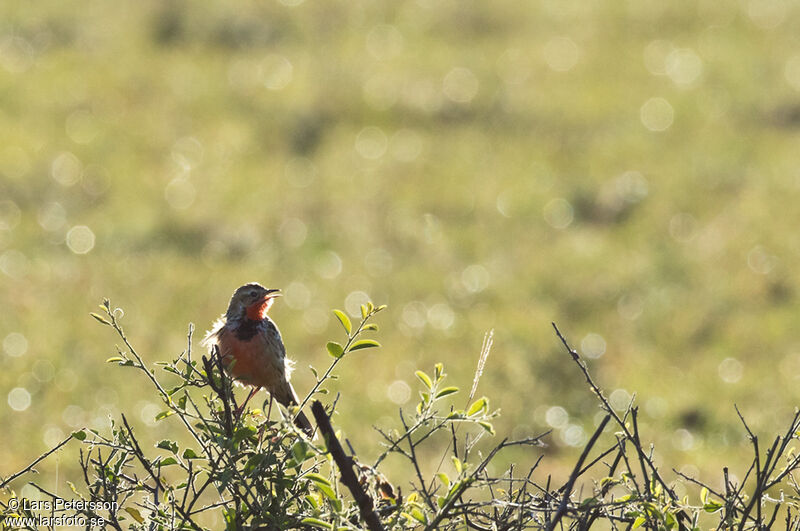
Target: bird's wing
[(213, 334)]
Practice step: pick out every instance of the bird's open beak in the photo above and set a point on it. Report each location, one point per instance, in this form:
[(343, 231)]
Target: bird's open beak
[(271, 293)]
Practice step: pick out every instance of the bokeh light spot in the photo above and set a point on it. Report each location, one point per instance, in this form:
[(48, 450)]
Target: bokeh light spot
[(180, 193), (398, 392), (148, 413), (655, 56), (52, 216), (353, 302), (630, 306), (460, 85), (15, 344), (593, 345), (683, 66), (371, 143), (10, 214), (557, 417), (80, 239), (683, 440), (730, 370), (19, 399), (558, 213), (52, 436), (14, 264), (276, 72), (760, 261), (682, 227), (619, 399), (657, 114), (66, 169), (441, 316), (16, 54), (415, 314), (187, 152), (573, 435), (329, 265), (43, 370), (73, 416), (475, 278), (297, 296), (561, 54)]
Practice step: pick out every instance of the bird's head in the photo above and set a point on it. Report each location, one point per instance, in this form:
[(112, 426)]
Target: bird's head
[(252, 301)]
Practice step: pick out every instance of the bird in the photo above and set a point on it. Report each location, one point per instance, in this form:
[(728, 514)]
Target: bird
[(252, 350)]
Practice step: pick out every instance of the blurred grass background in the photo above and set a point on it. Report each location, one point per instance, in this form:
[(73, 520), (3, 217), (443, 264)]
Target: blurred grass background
[(626, 169)]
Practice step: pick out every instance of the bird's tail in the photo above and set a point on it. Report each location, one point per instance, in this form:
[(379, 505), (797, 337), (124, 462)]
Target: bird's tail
[(302, 422), (287, 397)]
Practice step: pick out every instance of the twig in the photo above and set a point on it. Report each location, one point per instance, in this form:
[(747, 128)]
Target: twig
[(345, 464), (562, 507), (28, 468)]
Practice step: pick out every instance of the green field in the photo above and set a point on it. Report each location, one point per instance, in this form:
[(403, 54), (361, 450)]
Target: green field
[(628, 170)]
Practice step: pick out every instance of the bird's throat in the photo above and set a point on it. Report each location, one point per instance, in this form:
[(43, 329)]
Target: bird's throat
[(258, 311)]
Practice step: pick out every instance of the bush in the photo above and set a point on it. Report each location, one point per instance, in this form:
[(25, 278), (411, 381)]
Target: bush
[(249, 472)]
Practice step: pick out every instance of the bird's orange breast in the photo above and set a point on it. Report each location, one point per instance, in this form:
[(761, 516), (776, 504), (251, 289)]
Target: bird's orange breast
[(246, 360)]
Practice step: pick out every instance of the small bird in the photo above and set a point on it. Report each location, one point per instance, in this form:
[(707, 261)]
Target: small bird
[(251, 347)]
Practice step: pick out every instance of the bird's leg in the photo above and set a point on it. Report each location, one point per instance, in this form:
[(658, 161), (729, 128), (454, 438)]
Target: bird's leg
[(269, 410)]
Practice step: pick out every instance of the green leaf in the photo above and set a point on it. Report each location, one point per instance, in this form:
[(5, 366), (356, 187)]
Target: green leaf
[(457, 464), (478, 406), (190, 454), (166, 444), (446, 391), (318, 478), (80, 435), (639, 521), (418, 516), (371, 326), (168, 461), (335, 349), (487, 426), (164, 414), (364, 311), (588, 502), (704, 494), (135, 514), (245, 432), (344, 320), (100, 318), (424, 378), (299, 451), (364, 343), (323, 485), (115, 358), (316, 522), (444, 479), (712, 506), (438, 371)]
